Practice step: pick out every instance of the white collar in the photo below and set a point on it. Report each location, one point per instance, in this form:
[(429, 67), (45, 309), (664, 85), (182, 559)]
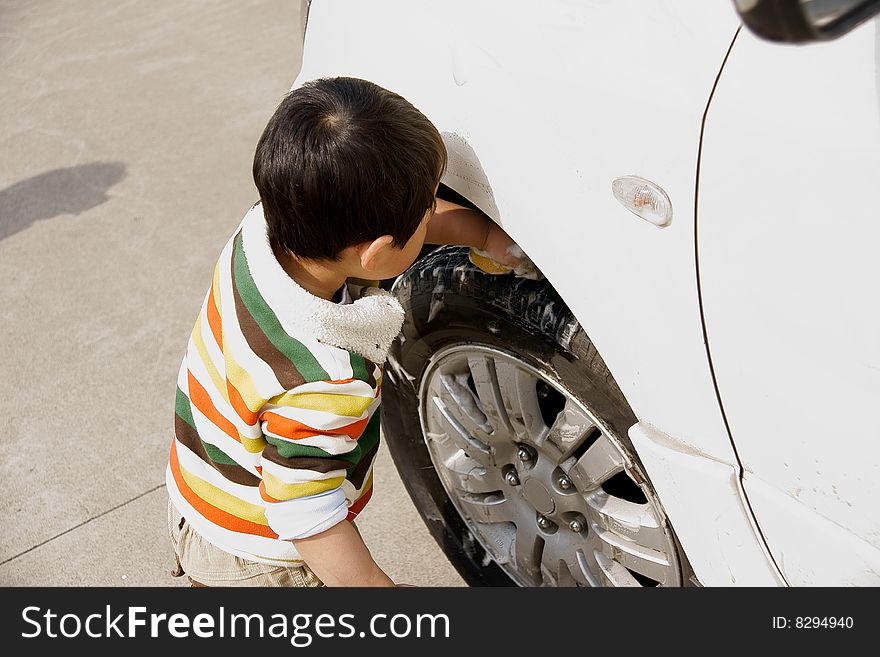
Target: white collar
[(367, 326), (344, 296)]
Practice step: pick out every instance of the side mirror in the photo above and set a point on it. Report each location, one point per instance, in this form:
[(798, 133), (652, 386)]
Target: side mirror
[(804, 21)]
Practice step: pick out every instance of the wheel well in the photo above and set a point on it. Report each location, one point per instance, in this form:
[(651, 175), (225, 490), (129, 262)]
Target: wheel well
[(445, 193)]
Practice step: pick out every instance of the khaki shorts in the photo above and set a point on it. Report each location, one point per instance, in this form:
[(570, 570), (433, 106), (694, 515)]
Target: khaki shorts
[(208, 565)]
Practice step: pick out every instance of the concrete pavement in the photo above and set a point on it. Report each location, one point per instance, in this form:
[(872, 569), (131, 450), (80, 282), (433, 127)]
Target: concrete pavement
[(127, 136)]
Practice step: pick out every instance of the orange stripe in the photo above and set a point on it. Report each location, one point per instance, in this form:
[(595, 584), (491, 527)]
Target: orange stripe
[(218, 516), (359, 505), (340, 381), (266, 497), (235, 398), (214, 319), (200, 399), (293, 430)]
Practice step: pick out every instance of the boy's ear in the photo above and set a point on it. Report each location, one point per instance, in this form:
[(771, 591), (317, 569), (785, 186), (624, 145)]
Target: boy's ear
[(370, 250)]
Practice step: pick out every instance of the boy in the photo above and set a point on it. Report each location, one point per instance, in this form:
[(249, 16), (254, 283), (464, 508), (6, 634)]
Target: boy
[(277, 422)]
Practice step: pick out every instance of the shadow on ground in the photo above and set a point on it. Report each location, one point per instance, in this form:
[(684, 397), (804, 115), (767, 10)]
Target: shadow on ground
[(61, 191)]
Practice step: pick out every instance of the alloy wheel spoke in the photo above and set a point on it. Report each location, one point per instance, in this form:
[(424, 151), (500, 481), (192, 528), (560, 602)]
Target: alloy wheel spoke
[(554, 561), (489, 507), (520, 400), (464, 405), (645, 561), (635, 523), (468, 475), (485, 380), (598, 464), (612, 573), (584, 559), (483, 480), (561, 559), (572, 502), (452, 429), (571, 428), (527, 548)]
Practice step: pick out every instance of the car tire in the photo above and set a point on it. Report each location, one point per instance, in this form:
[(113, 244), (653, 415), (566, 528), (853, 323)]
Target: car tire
[(510, 497)]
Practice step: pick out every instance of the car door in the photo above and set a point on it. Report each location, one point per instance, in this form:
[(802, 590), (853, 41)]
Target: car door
[(788, 236)]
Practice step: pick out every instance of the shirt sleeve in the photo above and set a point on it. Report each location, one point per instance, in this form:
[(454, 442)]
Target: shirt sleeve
[(312, 450)]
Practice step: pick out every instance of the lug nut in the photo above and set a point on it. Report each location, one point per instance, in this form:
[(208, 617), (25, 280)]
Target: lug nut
[(524, 454), (564, 482), (544, 522), (577, 526), (511, 478)]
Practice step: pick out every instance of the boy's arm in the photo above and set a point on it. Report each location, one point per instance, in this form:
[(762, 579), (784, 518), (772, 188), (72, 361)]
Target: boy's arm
[(339, 557), (454, 224), (322, 437)]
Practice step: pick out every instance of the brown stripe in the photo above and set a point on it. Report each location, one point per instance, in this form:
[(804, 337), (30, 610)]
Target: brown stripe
[(189, 437), (270, 452), (363, 467), (371, 367), (285, 371)]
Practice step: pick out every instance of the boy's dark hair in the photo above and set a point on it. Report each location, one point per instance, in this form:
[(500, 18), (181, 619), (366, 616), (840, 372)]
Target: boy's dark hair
[(344, 161)]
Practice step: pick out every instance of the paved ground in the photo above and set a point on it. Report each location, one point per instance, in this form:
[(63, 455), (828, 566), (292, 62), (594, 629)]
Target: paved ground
[(127, 131)]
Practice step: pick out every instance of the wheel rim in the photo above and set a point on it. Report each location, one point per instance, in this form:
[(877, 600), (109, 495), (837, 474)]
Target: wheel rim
[(541, 482)]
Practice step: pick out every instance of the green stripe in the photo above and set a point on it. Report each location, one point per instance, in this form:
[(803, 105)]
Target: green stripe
[(368, 444), (288, 450), (182, 408), (370, 437), (359, 367), (368, 440), (293, 350), (218, 455)]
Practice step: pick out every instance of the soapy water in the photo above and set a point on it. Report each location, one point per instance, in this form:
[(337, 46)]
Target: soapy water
[(457, 387), (526, 268), (398, 369), (436, 302)]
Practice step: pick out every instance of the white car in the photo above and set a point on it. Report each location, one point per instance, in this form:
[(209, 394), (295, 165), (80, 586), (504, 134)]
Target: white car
[(691, 395)]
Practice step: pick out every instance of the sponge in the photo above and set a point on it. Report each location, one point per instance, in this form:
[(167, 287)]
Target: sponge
[(524, 269)]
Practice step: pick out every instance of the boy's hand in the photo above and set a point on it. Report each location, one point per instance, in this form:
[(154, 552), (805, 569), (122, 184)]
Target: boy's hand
[(497, 246), (454, 224)]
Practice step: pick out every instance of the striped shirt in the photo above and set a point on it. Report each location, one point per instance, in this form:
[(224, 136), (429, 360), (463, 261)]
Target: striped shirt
[(276, 425)]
